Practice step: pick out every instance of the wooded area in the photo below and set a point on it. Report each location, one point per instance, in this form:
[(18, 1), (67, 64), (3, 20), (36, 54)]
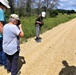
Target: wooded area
[(33, 7)]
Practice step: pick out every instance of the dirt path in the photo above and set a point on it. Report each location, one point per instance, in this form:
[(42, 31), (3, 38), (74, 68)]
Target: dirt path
[(45, 57)]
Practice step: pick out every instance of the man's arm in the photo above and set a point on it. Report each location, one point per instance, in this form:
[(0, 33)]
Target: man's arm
[(38, 22), (21, 33), (1, 26)]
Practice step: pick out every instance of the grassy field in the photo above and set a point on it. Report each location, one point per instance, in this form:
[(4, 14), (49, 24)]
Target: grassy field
[(49, 23)]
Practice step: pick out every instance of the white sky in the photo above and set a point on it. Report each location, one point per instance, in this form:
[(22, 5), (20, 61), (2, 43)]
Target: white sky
[(67, 4)]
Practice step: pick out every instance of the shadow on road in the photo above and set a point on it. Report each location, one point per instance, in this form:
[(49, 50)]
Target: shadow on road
[(67, 70), (21, 61)]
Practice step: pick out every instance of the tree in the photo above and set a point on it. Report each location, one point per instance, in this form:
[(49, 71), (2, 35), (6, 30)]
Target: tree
[(25, 7), (28, 7), (50, 3), (11, 3), (44, 4), (37, 4), (53, 13), (21, 5)]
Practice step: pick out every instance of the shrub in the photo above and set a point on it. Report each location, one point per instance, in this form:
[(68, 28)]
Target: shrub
[(53, 13)]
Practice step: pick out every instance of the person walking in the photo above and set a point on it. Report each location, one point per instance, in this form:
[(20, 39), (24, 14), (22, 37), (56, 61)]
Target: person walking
[(4, 4), (38, 24), (11, 46)]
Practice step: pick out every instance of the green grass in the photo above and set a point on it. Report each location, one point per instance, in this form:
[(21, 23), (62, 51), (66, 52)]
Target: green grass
[(49, 23)]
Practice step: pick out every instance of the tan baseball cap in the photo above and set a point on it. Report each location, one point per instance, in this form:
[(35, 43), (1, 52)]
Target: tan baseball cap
[(5, 3), (15, 16)]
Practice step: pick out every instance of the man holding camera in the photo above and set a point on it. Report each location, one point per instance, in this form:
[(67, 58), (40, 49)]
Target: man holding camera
[(11, 34)]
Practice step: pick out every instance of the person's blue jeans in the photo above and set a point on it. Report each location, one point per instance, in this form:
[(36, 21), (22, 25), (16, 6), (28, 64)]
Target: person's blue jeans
[(1, 51), (2, 54), (4, 59), (1, 58)]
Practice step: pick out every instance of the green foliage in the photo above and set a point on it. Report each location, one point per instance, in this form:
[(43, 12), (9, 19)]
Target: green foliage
[(49, 23), (28, 8), (66, 11), (53, 13), (70, 12), (11, 3), (7, 13), (28, 26), (52, 22)]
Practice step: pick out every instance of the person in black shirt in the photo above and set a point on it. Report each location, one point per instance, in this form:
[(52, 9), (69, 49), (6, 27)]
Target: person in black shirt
[(39, 23)]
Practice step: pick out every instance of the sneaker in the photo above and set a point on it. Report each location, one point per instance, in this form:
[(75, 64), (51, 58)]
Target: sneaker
[(36, 38), (1, 64), (5, 67), (8, 71), (18, 73), (39, 37)]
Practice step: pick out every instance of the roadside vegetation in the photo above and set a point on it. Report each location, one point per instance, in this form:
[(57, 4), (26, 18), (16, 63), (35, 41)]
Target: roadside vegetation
[(28, 11), (49, 23)]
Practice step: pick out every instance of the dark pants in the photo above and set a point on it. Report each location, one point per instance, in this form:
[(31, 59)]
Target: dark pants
[(12, 63), (2, 55), (1, 50)]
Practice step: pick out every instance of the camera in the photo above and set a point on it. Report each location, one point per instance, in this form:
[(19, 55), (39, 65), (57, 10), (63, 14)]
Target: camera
[(19, 22)]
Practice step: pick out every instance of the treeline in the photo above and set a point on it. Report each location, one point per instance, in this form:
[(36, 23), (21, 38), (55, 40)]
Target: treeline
[(54, 13), (66, 11), (32, 7)]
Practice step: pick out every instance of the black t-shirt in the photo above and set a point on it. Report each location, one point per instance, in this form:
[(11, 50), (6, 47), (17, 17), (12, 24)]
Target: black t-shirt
[(39, 19)]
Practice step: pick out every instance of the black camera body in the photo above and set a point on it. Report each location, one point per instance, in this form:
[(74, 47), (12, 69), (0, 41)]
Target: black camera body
[(19, 22)]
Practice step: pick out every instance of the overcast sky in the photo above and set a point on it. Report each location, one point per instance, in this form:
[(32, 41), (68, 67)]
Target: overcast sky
[(67, 4)]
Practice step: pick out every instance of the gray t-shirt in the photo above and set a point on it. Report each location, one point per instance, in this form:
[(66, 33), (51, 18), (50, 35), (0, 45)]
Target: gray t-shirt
[(10, 40)]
